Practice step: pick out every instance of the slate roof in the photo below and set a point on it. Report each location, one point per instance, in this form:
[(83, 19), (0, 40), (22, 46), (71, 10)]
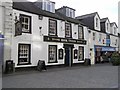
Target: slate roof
[(88, 19), (87, 15), (103, 20), (111, 24), (73, 20), (31, 8), (66, 7)]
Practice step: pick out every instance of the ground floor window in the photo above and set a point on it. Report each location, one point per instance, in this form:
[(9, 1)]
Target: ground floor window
[(81, 53), (52, 58), (24, 54)]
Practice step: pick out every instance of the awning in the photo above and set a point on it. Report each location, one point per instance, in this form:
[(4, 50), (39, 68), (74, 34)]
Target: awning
[(108, 49), (104, 48)]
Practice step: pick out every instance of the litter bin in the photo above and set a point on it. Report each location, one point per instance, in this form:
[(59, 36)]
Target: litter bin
[(9, 68), (87, 62), (41, 65)]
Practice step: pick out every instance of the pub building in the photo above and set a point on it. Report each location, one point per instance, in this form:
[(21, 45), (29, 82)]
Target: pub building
[(42, 33)]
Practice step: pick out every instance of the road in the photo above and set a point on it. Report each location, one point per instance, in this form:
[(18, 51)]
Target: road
[(98, 76)]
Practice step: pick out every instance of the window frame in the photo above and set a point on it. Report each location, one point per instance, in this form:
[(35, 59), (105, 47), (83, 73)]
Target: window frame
[(96, 22), (69, 31), (82, 53), (29, 23), (100, 37), (107, 27), (79, 32), (115, 30), (49, 61), (29, 56), (50, 28), (94, 35)]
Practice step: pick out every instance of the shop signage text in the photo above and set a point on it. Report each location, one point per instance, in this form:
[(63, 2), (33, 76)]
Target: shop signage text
[(63, 40)]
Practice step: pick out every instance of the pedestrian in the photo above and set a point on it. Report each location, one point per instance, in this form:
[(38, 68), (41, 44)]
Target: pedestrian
[(109, 58)]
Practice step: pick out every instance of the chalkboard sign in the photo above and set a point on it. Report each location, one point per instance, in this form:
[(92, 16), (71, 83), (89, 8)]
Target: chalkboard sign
[(60, 53)]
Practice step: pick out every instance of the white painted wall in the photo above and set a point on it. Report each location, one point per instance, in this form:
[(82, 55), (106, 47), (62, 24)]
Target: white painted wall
[(39, 49)]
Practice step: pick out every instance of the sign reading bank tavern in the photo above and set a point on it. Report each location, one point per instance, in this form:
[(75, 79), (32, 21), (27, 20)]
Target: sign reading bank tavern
[(63, 40)]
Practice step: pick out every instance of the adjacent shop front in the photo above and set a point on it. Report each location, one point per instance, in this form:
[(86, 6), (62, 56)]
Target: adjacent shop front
[(103, 52)]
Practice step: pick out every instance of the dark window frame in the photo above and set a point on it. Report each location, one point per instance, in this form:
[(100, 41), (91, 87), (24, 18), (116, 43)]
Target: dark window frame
[(94, 35), (75, 54), (56, 61), (29, 62), (30, 22), (70, 30), (55, 27), (79, 32), (82, 53)]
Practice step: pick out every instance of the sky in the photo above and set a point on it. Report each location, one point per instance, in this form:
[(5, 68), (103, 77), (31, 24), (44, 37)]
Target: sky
[(105, 8)]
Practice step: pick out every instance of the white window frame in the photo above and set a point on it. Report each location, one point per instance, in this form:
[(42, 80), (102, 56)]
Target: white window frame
[(96, 22)]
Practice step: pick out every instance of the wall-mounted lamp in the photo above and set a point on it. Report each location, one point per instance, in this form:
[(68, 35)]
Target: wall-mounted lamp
[(40, 17), (75, 32), (89, 31), (40, 31), (40, 27)]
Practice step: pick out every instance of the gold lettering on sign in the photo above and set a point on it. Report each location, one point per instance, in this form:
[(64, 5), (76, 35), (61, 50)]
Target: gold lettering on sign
[(72, 41), (55, 39), (79, 41), (63, 40)]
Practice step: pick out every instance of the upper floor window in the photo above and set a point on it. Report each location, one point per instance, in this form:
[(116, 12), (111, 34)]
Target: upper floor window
[(100, 37), (52, 27), (68, 30), (115, 30), (116, 41), (107, 36), (107, 27), (96, 22), (26, 23), (80, 32), (93, 35), (49, 6), (70, 13)]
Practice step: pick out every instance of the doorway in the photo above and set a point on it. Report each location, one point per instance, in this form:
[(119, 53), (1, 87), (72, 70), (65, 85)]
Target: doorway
[(68, 54)]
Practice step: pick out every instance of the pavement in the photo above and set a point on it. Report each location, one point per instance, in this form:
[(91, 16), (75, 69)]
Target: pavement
[(98, 76)]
